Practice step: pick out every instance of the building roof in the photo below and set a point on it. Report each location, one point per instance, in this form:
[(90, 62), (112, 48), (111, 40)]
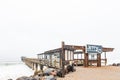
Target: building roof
[(107, 49), (72, 48)]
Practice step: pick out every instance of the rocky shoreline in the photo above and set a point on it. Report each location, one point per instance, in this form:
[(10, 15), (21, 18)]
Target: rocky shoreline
[(47, 74), (52, 74)]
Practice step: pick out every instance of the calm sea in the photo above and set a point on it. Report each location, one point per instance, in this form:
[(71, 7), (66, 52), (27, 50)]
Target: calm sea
[(13, 70)]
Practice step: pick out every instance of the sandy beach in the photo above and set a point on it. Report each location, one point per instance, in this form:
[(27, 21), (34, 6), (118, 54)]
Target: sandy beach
[(94, 73)]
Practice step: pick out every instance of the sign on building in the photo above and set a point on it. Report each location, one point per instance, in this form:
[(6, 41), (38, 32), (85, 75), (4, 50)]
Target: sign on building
[(93, 48)]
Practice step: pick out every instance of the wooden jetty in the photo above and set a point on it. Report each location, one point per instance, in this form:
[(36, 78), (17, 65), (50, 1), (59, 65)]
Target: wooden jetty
[(32, 63), (60, 57)]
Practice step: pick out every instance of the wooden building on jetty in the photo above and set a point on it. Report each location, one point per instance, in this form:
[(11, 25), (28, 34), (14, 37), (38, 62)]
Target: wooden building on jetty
[(58, 58), (85, 55)]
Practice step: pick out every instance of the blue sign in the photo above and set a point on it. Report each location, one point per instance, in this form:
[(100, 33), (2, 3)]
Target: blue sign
[(93, 49)]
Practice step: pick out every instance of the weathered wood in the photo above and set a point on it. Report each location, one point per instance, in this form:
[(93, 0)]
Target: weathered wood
[(107, 49), (105, 59), (33, 63), (86, 60), (98, 60), (63, 59)]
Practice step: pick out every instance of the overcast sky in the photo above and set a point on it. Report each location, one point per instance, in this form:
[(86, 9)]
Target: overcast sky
[(29, 27)]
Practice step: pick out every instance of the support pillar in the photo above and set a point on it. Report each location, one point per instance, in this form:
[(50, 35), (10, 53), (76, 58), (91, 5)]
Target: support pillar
[(63, 59), (98, 60), (105, 59), (41, 67), (33, 66), (85, 59), (36, 67)]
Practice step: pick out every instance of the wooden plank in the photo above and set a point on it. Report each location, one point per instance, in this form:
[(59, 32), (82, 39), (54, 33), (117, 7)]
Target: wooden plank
[(107, 49), (76, 47)]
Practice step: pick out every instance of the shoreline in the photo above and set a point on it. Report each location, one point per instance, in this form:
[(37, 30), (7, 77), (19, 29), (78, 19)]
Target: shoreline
[(93, 73), (81, 73)]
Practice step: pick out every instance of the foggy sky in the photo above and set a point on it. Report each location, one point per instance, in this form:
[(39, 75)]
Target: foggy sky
[(29, 27)]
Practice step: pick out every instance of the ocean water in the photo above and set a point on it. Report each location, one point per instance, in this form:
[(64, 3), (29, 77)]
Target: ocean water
[(13, 70)]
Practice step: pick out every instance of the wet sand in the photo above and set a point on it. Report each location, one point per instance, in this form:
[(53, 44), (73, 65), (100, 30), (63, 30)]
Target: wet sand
[(94, 73)]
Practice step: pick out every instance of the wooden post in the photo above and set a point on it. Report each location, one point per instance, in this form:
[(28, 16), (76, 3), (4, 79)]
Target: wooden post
[(41, 67), (98, 60), (33, 66), (50, 63), (73, 55), (70, 55), (85, 58), (36, 67), (63, 58), (105, 59), (67, 55)]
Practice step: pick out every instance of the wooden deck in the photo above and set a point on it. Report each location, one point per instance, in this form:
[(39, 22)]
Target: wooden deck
[(66, 53), (32, 63)]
